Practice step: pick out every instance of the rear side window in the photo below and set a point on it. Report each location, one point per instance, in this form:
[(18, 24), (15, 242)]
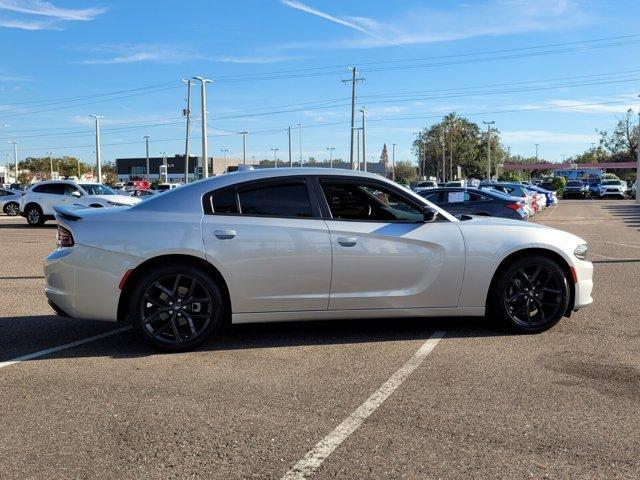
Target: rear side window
[(224, 201), (281, 200), (50, 188)]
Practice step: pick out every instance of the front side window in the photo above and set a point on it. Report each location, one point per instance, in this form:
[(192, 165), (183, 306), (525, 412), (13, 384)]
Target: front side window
[(280, 200), (352, 201)]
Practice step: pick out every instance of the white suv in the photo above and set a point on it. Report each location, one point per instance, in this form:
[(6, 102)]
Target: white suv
[(36, 204), (615, 188)]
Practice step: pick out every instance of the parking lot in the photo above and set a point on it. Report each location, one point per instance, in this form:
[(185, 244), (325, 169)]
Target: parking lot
[(478, 403)]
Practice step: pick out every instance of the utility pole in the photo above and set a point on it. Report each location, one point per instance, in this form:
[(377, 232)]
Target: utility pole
[(353, 80), (98, 163), (419, 138), (78, 161), (203, 108), (146, 141), (275, 157), (300, 125), (331, 149), (638, 159), (358, 148), (15, 158), (50, 154), (537, 152), (363, 110), (187, 113), (290, 157), (225, 151), (244, 147), (488, 124), (393, 162)]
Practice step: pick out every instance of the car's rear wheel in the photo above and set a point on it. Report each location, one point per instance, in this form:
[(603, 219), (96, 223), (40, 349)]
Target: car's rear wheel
[(532, 294), (34, 215), (176, 307), (12, 209)]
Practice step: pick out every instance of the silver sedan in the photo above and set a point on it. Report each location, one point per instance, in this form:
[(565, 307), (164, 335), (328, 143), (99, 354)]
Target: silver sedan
[(305, 244)]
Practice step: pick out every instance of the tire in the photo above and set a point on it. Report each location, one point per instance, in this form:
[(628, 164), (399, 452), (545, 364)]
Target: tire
[(532, 294), (34, 215), (12, 209), (162, 313)]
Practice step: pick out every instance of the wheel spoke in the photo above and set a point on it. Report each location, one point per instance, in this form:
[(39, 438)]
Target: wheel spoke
[(176, 285), (175, 328), (150, 299), (191, 326), (163, 289), (153, 317), (535, 274)]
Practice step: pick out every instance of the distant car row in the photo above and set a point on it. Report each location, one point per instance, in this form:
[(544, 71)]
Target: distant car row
[(602, 189), (491, 199)]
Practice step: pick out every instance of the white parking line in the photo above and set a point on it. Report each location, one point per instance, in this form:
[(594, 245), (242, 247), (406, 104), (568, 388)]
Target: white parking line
[(318, 454), (41, 353)]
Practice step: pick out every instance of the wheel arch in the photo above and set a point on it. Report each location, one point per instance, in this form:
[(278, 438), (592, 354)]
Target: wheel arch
[(32, 204), (526, 252), (127, 290)]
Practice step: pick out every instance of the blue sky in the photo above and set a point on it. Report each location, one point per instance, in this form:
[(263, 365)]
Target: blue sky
[(421, 59)]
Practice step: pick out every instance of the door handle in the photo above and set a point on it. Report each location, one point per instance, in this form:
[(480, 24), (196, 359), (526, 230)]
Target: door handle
[(225, 234), (347, 241)]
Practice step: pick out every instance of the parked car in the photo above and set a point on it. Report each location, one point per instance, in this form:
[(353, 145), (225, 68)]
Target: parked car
[(163, 187), (10, 201), (549, 196), (305, 244), (593, 184), (473, 201), (36, 204), (514, 190), (140, 193), (612, 188), (424, 185), (634, 189), (575, 188)]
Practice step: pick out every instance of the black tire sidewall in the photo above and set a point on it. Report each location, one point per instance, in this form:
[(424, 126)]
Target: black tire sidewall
[(502, 282), (172, 268)]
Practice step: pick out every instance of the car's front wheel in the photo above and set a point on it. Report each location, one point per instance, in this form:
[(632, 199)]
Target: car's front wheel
[(532, 294), (34, 215), (12, 209), (176, 306)]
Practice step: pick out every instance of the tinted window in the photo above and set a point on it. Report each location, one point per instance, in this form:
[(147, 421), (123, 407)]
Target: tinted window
[(97, 189), (224, 201), (283, 200), (69, 189), (367, 202), (433, 197), (4, 193), (50, 188), (574, 184)]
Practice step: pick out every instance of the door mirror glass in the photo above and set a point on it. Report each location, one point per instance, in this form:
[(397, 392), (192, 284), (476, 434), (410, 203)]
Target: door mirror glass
[(429, 214)]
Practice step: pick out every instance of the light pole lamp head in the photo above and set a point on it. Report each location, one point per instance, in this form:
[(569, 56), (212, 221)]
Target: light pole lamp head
[(147, 137), (203, 80)]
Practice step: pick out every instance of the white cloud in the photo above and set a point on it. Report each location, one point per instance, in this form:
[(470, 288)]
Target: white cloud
[(588, 106), (134, 53), (46, 9), (430, 25), (27, 24), (544, 136)]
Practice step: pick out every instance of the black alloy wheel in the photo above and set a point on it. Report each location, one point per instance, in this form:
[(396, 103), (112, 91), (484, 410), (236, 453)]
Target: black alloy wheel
[(176, 307), (533, 294)]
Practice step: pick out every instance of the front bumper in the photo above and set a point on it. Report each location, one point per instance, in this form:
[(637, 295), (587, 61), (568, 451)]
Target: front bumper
[(83, 282), (584, 283)]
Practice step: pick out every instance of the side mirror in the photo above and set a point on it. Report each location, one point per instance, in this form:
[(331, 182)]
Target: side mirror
[(429, 214), (76, 194)]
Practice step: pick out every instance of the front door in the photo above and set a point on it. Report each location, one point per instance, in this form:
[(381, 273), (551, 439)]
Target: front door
[(384, 254), (268, 240)]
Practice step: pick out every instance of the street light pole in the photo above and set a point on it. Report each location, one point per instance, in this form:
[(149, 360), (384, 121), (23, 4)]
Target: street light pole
[(203, 107), (289, 137), (98, 163), (15, 159), (537, 151), (638, 159), (187, 114), (275, 157), (363, 110), (331, 149), (226, 163), (488, 124), (164, 163), (51, 163), (244, 147), (393, 162), (357, 148), (146, 141), (300, 125)]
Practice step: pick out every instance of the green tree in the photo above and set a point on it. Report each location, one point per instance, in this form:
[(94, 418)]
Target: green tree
[(559, 183), (405, 172)]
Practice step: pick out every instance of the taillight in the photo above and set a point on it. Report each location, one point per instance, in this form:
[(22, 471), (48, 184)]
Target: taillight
[(513, 206), (64, 238)]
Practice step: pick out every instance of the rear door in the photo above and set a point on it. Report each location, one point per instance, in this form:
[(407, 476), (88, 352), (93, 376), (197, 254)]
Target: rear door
[(384, 254), (51, 194), (270, 243)]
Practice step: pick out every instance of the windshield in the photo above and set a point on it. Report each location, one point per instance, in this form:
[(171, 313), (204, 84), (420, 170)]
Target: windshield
[(611, 182), (574, 184), (97, 189)]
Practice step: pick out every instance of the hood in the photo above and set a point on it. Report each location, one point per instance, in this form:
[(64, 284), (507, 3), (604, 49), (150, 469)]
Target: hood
[(124, 199), (498, 221)]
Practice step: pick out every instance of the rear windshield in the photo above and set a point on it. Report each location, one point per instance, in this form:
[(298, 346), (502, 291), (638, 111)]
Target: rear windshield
[(611, 182)]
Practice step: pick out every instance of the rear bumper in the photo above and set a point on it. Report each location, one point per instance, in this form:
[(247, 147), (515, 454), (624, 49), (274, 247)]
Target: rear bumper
[(83, 282)]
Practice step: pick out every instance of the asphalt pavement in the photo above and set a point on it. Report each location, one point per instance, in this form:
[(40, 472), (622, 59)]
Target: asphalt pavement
[(325, 400)]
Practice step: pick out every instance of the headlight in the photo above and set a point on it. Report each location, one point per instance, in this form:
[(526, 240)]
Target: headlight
[(581, 251)]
